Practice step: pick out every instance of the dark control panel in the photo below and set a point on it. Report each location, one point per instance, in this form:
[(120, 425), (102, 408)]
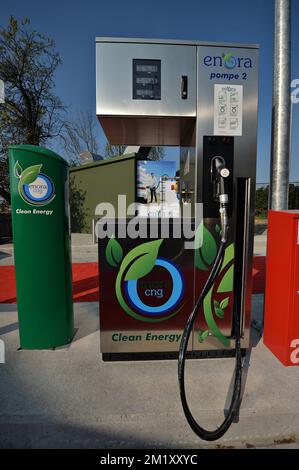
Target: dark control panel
[(184, 87), (212, 146), (146, 79)]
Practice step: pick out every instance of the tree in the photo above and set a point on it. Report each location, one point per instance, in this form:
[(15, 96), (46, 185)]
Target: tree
[(79, 135), (293, 196), (261, 201), (114, 150), (31, 113), (156, 153), (78, 211)]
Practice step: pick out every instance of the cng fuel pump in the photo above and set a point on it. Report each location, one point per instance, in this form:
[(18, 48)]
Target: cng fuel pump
[(159, 298)]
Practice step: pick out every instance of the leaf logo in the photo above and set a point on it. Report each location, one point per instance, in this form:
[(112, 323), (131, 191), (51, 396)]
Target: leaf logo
[(30, 174), (35, 188), (141, 260), (138, 263)]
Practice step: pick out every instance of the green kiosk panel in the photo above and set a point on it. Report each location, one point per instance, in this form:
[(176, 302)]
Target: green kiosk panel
[(41, 233)]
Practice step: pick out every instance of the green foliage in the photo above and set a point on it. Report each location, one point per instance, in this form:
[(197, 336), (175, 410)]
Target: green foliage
[(156, 153), (78, 211), (31, 113), (262, 197), (114, 150), (293, 196), (261, 201)]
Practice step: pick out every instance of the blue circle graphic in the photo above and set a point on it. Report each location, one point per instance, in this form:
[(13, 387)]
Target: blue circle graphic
[(176, 295), (231, 62), (48, 194)]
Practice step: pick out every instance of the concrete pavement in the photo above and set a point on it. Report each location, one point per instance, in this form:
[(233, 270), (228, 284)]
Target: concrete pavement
[(71, 398), (85, 251)]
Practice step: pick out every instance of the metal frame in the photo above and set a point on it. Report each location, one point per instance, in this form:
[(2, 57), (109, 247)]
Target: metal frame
[(177, 42)]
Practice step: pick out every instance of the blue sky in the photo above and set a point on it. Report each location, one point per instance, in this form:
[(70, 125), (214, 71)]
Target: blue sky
[(75, 24), (160, 168)]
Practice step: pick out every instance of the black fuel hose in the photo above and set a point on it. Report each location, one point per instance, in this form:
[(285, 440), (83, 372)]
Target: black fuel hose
[(234, 405)]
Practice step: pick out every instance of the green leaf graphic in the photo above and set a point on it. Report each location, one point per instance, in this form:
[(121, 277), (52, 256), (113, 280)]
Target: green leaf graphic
[(208, 314), (226, 284), (205, 255), (141, 260), (219, 312), (229, 254), (114, 252), (211, 306), (203, 335), (17, 170), (224, 303), (30, 174), (227, 57)]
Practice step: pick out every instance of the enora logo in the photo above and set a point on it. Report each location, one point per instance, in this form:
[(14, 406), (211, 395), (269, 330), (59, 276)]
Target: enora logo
[(228, 60), (34, 187)]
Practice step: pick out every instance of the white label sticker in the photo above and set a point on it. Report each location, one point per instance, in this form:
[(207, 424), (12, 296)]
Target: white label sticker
[(228, 109)]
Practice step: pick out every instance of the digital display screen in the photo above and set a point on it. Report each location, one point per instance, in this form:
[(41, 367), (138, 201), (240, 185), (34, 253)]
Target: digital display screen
[(147, 68), (146, 79)]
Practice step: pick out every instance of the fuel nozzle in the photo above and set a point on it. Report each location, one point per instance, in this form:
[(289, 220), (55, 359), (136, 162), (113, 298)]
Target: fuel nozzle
[(219, 173)]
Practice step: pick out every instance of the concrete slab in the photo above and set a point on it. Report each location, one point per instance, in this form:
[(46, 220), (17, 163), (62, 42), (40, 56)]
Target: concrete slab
[(6, 254), (83, 248), (85, 251), (71, 398)]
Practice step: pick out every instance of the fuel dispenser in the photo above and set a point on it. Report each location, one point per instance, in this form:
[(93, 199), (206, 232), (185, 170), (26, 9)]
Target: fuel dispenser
[(281, 324), (201, 97)]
